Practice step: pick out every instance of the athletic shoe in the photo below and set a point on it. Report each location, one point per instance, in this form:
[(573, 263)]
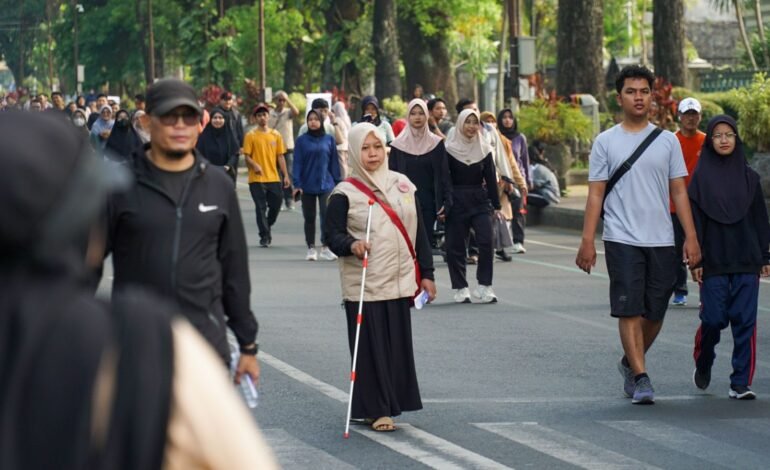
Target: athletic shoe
[(503, 255), (485, 294), (312, 255), (644, 394), (264, 242), (473, 259), (518, 248), (327, 254), (701, 378), (741, 392), (680, 300), (628, 379), (462, 296)]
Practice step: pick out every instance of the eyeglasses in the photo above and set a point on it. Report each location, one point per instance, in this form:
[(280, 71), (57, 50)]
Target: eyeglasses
[(189, 119), (725, 136)]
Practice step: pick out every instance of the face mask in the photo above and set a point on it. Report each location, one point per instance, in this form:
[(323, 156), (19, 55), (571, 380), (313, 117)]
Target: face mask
[(122, 122), (79, 122)]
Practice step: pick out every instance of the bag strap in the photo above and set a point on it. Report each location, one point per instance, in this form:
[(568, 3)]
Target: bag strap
[(626, 166), (394, 218)]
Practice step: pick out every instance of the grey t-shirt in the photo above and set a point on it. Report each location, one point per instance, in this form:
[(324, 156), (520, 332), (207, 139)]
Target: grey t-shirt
[(637, 208)]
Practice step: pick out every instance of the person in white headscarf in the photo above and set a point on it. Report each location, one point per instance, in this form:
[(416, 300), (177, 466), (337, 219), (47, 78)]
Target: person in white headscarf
[(420, 155), (474, 199), (342, 120), (386, 380)]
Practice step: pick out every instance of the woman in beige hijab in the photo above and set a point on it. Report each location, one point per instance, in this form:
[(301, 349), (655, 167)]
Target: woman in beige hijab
[(386, 381), (474, 199), (420, 155)]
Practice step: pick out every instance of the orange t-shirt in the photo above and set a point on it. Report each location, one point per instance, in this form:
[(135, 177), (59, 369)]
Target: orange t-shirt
[(691, 147)]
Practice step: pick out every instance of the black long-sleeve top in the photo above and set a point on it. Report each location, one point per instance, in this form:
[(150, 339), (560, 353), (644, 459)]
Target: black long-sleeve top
[(477, 174), (429, 172), (340, 241), (742, 247)]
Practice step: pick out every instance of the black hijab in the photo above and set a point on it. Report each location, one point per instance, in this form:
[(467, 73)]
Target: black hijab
[(508, 132), (723, 186), (54, 336), (366, 101), (123, 139), (217, 145), (317, 132)]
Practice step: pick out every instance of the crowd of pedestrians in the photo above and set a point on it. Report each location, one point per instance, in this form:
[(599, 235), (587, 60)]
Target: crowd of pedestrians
[(162, 202)]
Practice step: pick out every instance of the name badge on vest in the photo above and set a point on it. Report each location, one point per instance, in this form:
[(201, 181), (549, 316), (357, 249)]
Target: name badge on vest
[(403, 186)]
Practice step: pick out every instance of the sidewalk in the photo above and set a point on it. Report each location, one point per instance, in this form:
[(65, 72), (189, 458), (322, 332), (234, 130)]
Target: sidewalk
[(568, 214)]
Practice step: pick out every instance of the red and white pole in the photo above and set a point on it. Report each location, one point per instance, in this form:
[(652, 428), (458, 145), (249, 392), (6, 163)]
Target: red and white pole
[(359, 320)]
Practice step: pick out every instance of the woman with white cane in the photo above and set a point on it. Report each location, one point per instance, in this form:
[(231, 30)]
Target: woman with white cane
[(398, 265)]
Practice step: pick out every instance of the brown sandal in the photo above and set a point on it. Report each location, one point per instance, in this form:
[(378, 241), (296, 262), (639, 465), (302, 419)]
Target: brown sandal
[(384, 424)]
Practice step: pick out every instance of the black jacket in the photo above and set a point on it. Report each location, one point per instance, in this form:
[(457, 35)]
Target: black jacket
[(194, 253), (742, 247)]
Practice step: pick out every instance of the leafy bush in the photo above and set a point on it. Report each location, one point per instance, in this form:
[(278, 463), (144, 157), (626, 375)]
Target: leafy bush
[(724, 99), (753, 105), (300, 101), (709, 109), (554, 122), (394, 107)]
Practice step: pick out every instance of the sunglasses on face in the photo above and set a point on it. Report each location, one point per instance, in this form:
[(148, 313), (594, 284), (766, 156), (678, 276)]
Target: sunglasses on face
[(189, 119)]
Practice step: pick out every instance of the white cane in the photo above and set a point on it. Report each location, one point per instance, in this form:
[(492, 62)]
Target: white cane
[(359, 320)]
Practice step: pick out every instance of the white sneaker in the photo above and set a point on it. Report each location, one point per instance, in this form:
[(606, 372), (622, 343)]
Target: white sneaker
[(485, 294), (518, 248), (327, 254), (462, 296), (312, 255)]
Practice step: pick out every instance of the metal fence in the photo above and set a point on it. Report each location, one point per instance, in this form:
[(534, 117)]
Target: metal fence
[(725, 80)]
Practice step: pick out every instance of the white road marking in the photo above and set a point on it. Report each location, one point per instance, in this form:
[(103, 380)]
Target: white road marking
[(691, 443), (294, 453), (547, 400), (427, 451), (562, 446)]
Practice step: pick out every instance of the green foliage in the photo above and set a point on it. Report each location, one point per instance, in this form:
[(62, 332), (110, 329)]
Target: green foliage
[(753, 104), (709, 109), (724, 99), (300, 101), (471, 40), (394, 107), (554, 122)]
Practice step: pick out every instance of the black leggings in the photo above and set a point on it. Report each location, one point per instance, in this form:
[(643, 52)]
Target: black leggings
[(309, 212)]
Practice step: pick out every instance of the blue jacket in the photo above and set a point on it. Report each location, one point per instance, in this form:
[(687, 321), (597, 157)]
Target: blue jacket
[(316, 168)]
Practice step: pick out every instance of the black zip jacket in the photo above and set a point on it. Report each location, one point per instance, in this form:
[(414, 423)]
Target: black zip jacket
[(194, 252), (742, 247)]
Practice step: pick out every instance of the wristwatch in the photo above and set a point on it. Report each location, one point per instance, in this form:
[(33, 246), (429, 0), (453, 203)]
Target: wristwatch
[(250, 349)]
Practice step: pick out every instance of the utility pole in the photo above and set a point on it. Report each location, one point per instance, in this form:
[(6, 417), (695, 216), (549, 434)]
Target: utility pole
[(262, 69), (152, 42), (76, 12)]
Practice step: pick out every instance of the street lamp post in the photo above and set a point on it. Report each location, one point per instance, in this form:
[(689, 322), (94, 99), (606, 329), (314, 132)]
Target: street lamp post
[(262, 68), (77, 9)]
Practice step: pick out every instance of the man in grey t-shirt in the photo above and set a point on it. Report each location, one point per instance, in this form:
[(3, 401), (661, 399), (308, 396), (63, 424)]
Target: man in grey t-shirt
[(638, 234)]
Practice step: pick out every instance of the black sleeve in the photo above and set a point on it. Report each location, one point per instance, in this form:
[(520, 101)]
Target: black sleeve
[(236, 286), (337, 236), (393, 159), (444, 180), (422, 247), (761, 223), (699, 220), (490, 179)]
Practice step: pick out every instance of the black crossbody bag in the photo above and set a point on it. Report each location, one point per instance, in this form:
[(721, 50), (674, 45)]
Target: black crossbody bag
[(629, 163)]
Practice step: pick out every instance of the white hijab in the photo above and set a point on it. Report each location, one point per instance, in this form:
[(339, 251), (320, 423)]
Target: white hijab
[(416, 141), (378, 180), (463, 149)]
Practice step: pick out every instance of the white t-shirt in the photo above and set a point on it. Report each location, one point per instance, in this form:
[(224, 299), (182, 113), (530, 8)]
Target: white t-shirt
[(637, 208)]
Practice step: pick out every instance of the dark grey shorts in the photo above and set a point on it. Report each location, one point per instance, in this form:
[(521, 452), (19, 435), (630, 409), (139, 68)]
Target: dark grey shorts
[(642, 279)]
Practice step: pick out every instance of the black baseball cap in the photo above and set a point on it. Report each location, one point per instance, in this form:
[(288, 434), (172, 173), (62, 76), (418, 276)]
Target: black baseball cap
[(260, 108), (169, 93)]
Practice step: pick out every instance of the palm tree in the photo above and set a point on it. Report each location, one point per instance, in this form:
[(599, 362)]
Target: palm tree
[(724, 6)]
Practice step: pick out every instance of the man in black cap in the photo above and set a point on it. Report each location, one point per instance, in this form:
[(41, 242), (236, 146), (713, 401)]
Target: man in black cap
[(178, 229), (232, 116)]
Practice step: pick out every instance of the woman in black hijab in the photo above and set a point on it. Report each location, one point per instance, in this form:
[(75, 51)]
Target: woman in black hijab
[(123, 139), (217, 143), (731, 221)]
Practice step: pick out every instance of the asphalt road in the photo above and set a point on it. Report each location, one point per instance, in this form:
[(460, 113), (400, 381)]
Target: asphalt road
[(529, 382)]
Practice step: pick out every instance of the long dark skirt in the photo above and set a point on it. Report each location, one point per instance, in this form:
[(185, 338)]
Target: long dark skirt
[(386, 381)]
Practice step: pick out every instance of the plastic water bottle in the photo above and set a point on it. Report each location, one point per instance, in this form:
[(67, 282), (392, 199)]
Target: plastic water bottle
[(248, 390)]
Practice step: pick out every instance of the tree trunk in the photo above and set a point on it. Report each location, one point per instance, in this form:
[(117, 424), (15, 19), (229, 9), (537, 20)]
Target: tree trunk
[(668, 45), (293, 69), (427, 61), (347, 76), (744, 36), (579, 48), (761, 30), (387, 81)]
